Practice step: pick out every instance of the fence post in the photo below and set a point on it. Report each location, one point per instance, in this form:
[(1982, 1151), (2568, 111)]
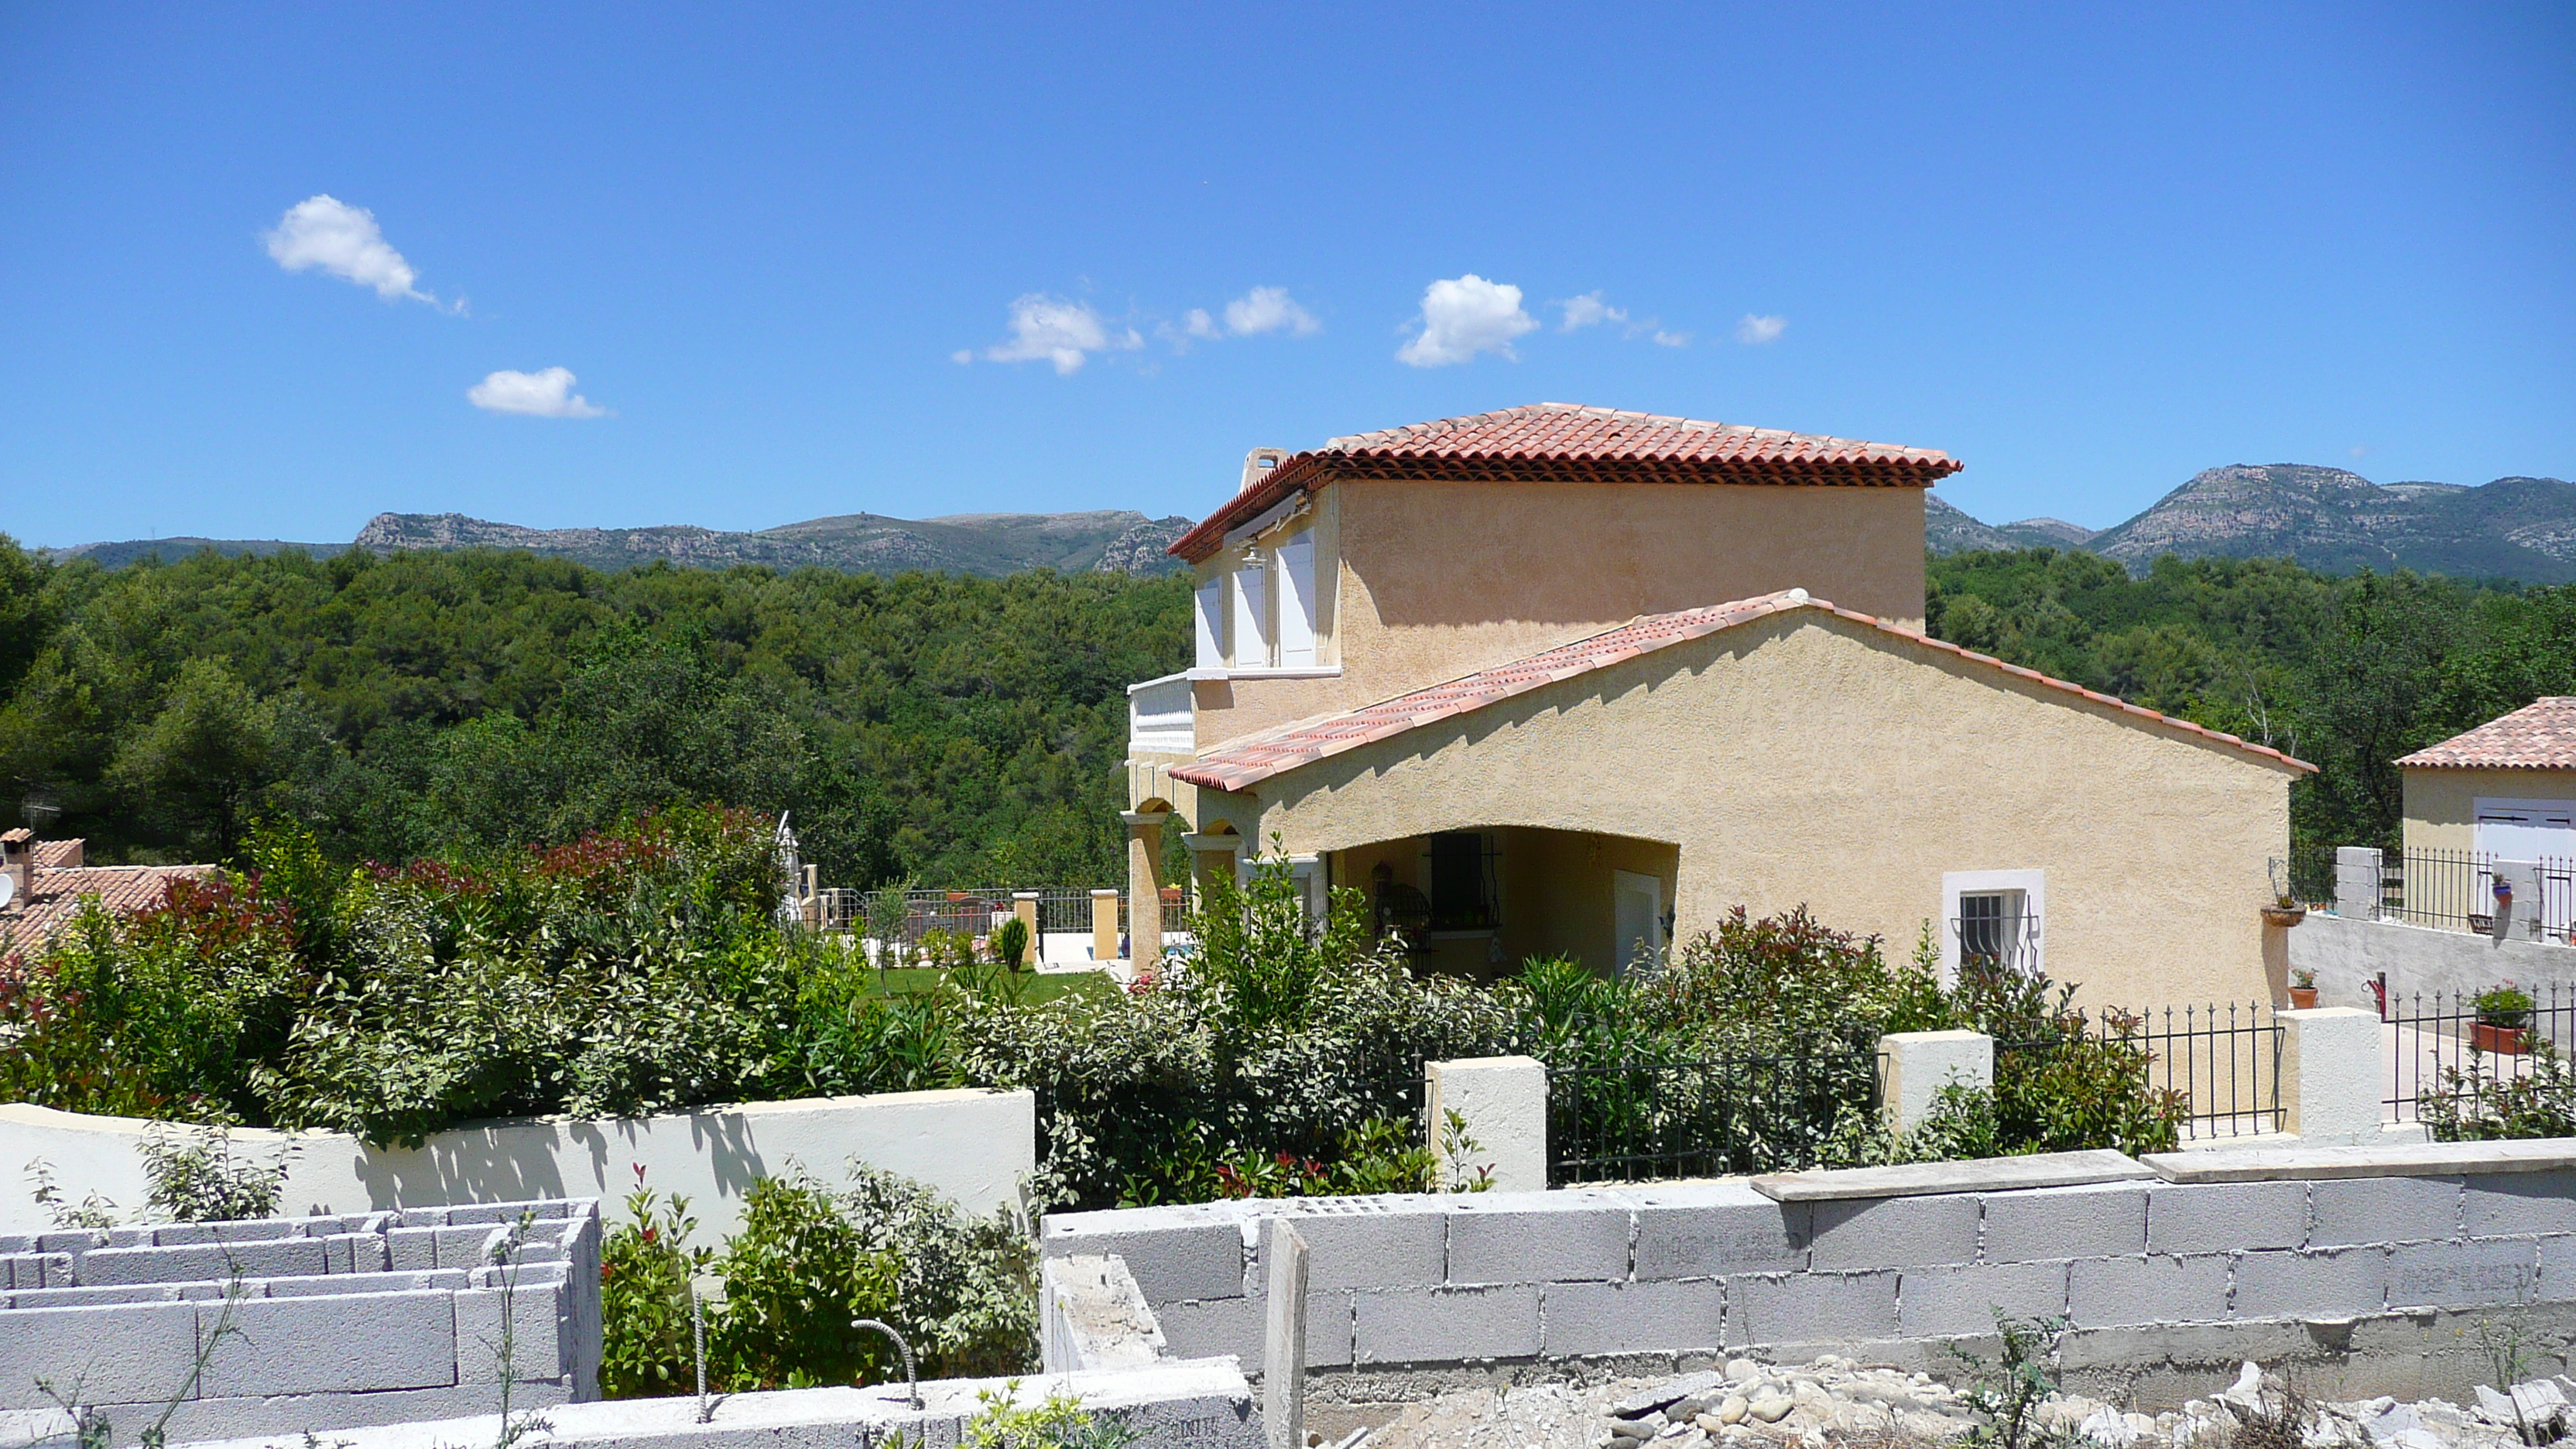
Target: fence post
[(1918, 1064), (1283, 1346), (1104, 925), (1503, 1101), (2331, 1062), (1024, 904), (2524, 877), (2357, 878)]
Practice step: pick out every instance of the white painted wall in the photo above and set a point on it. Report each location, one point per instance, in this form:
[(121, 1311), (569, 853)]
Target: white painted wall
[(973, 1145)]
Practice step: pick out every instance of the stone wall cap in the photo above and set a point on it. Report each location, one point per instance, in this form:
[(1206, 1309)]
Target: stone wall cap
[(2421, 1159), (1984, 1174)]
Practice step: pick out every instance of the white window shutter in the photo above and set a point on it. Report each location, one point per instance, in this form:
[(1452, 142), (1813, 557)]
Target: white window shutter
[(1297, 601), (1212, 622), (1252, 614)]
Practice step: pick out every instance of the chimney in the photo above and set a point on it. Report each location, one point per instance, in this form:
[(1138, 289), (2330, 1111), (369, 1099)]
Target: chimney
[(1258, 465), (18, 863)]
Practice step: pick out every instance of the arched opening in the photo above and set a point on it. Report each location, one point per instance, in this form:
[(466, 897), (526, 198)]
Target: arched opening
[(1480, 902)]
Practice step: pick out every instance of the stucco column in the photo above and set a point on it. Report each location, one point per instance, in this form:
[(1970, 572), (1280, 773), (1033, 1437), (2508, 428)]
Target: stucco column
[(1104, 925), (1211, 857), (2331, 1075), (1145, 884), (1920, 1063)]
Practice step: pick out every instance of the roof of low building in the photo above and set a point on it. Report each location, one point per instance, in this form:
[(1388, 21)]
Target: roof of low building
[(120, 889), (1570, 443), (2539, 736), (1243, 763)]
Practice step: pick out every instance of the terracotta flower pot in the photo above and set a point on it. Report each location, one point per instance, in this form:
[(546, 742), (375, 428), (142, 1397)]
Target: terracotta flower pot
[(2302, 997), (2284, 915), (2510, 1041)]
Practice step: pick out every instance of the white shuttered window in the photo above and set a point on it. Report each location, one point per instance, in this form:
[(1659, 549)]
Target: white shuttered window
[(1211, 614), (1252, 614), (1297, 602)]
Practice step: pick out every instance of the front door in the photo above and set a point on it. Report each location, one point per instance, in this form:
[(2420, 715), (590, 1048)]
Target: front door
[(1638, 909)]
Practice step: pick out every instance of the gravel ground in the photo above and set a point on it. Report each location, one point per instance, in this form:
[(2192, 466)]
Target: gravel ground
[(1835, 1401)]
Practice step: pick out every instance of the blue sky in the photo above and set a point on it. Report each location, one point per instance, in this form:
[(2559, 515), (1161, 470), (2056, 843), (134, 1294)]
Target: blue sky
[(2088, 249)]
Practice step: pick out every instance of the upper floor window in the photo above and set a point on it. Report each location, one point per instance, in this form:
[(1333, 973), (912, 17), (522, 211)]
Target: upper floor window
[(1264, 612)]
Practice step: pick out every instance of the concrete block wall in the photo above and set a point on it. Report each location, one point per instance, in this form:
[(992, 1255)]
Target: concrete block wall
[(1703, 1267), (303, 1323)]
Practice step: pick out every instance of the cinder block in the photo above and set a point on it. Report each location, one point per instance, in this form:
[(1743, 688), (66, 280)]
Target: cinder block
[(256, 1230), (2462, 1275), (2514, 1204), (466, 1246), (1529, 1239), (539, 1211), (2383, 1210), (419, 1217), (537, 1350), (412, 1249), (1448, 1324), (1674, 1315), (83, 1297), (2151, 1288), (357, 1253), (1201, 1260), (1363, 1248), (2556, 1280), (2226, 1217), (1810, 1307), (1894, 1232), (77, 1241), (333, 1285), (1209, 1327), (2336, 1283), (2103, 1221), (346, 1343), (1954, 1302), (136, 1352), (203, 1262), (1723, 1228)]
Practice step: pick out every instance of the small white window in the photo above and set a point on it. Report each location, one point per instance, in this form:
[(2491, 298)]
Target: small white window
[(1297, 601), (1252, 613), (1211, 614), (1992, 918)]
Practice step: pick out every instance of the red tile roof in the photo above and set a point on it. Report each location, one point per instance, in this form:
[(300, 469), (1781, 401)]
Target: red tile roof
[(122, 889), (2539, 736), (1244, 763), (1569, 443)]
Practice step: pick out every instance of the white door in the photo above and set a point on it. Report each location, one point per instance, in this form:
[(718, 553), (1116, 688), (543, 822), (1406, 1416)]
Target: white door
[(1637, 909), (2541, 830)]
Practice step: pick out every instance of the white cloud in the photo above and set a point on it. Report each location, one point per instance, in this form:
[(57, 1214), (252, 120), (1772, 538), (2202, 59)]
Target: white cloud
[(344, 240), (546, 394), (1058, 331), (1589, 310), (1756, 329), (1266, 309), (1671, 339), (1197, 323), (1463, 316)]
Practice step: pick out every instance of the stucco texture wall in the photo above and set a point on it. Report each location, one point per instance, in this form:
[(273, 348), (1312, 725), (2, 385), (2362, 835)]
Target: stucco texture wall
[(2441, 805), (1806, 758), (1437, 579)]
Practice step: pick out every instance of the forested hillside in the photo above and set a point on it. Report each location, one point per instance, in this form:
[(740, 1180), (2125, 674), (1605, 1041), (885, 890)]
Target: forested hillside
[(2348, 673), (960, 730), (938, 727)]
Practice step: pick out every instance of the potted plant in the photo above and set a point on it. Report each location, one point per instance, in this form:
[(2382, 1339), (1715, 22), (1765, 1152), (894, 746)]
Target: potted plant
[(2303, 989), (2504, 1021), (2284, 911)]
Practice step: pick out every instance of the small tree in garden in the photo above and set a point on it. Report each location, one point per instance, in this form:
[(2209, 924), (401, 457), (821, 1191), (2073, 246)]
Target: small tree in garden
[(1011, 943)]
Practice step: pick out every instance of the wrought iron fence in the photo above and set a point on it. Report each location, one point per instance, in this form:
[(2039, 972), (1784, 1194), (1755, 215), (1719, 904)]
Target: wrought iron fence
[(1640, 1121), (2311, 877), (2223, 1062), (2441, 1041)]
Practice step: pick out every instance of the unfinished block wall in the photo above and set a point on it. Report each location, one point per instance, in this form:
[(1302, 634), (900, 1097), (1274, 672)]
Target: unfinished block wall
[(302, 1323)]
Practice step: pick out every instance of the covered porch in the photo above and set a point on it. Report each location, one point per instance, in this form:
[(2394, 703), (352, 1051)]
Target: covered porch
[(1479, 902)]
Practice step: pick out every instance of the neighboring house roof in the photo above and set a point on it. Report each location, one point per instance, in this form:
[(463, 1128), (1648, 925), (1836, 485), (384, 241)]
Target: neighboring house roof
[(121, 889), (1246, 762), (1569, 443), (2539, 736)]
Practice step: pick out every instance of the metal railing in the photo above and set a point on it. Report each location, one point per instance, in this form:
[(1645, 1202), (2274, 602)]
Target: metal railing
[(2006, 942), (2223, 1063), (2438, 1041), (1641, 1121), (2446, 889)]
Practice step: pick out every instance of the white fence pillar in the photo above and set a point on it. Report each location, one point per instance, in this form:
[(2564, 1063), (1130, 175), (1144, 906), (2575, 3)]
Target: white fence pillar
[(1918, 1064), (2357, 878), (1503, 1101), (2331, 1065)]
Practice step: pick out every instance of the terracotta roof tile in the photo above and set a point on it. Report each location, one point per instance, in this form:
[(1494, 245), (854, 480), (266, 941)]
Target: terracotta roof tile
[(122, 889), (1569, 443), (2539, 736), (1244, 763)]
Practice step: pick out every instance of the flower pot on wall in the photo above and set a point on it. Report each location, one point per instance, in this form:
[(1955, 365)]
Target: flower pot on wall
[(2284, 915), (2302, 997), (2509, 1041)]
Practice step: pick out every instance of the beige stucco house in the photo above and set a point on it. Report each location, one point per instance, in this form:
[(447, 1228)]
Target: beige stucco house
[(2506, 789), (1563, 680)]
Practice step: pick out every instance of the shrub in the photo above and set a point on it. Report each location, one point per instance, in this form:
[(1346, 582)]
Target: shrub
[(797, 1279), (645, 1267), (193, 1177), (1011, 943), (2483, 1105)]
